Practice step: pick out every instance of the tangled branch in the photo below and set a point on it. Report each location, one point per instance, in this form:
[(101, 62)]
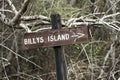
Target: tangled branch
[(26, 22)]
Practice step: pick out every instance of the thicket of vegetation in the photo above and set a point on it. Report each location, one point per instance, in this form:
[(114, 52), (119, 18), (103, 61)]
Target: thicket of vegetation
[(96, 59)]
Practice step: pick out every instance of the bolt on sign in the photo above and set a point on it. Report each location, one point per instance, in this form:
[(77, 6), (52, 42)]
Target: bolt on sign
[(56, 37)]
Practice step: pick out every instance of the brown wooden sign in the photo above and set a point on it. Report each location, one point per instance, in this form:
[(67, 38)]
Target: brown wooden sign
[(56, 37)]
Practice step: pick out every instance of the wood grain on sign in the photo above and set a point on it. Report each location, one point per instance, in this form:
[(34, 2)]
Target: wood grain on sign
[(56, 37)]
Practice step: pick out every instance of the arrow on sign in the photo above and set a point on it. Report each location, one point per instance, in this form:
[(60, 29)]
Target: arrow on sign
[(77, 35)]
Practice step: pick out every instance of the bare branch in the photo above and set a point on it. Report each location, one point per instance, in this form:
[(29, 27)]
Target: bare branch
[(12, 6), (35, 17), (113, 3), (16, 18), (108, 16), (42, 29), (37, 23), (1, 10), (105, 20), (25, 27)]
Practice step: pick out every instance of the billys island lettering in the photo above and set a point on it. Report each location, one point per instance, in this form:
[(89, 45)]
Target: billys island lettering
[(50, 38)]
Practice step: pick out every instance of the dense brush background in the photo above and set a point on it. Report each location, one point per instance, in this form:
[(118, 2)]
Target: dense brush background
[(96, 59)]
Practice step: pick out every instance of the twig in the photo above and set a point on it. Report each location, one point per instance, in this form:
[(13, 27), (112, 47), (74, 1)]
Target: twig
[(35, 17), (16, 18), (21, 56), (2, 10), (110, 15), (27, 29), (12, 6)]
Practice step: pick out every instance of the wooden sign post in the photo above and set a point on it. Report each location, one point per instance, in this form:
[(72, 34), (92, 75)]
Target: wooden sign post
[(56, 38), (60, 61)]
